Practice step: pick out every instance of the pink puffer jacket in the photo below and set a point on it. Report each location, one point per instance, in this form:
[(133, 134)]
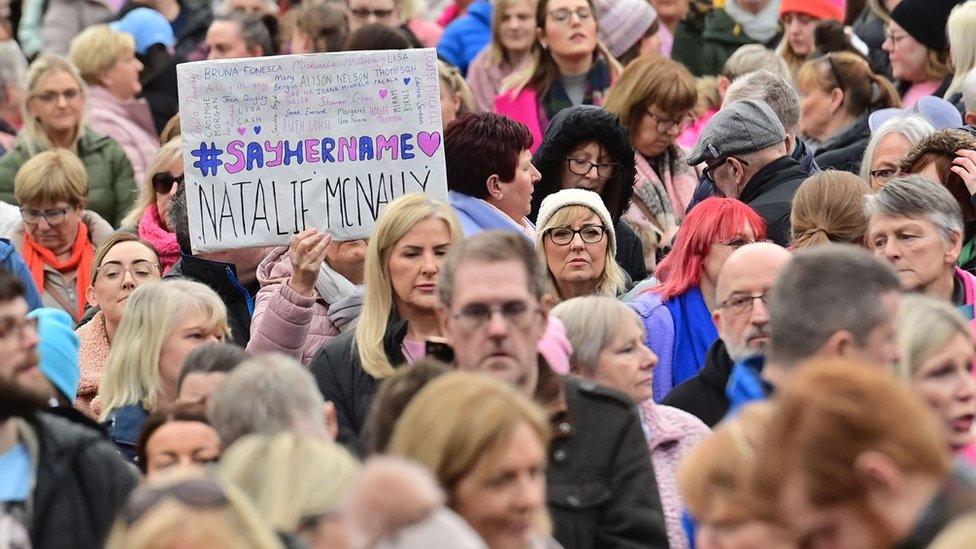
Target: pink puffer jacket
[(285, 321)]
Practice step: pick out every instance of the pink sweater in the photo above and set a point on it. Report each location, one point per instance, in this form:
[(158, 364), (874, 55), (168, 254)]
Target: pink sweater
[(93, 348), (672, 433)]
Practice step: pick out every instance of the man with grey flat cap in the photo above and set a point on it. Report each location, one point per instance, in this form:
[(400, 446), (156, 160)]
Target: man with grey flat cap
[(744, 149)]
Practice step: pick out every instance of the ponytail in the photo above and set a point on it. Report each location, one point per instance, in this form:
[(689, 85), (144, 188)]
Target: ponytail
[(883, 93)]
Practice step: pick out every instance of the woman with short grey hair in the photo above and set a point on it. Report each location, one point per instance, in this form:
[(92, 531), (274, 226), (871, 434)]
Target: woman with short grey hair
[(916, 225), (608, 348), (888, 146)]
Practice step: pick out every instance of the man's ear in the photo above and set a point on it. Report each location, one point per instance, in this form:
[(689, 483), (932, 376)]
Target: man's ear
[(723, 84), (717, 320), (443, 319), (839, 345), (879, 475)]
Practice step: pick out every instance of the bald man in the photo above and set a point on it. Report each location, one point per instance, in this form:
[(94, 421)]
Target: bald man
[(742, 324)]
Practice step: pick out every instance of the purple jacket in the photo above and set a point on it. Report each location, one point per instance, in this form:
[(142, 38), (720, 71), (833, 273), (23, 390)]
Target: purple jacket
[(660, 339), (130, 124), (285, 321)]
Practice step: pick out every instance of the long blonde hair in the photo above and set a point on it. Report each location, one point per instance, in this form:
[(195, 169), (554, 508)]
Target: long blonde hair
[(151, 314), (959, 27), (397, 219), (32, 135), (289, 476), (169, 153)]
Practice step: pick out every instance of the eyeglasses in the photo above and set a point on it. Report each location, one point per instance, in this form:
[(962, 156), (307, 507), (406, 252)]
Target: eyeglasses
[(741, 303), (475, 316), (11, 326), (664, 125), (564, 15), (197, 493), (53, 217), (883, 175), (114, 273), (895, 38), (365, 14), (52, 96), (579, 166), (163, 182), (591, 234), (709, 171)]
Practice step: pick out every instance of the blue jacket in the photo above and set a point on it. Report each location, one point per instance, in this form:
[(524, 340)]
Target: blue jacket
[(746, 384), (11, 261), (124, 426), (477, 215), (466, 36)]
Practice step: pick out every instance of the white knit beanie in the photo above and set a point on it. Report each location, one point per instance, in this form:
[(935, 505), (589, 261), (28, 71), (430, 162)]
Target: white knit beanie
[(576, 197)]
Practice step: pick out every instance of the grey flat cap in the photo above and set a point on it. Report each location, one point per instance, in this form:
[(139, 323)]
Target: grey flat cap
[(739, 128)]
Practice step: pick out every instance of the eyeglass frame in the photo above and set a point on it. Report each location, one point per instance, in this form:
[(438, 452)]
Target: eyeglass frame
[(588, 15), (99, 275), (173, 180), (603, 234), (17, 327), (363, 14), (742, 308), (569, 165), (875, 174), (51, 97), (46, 214), (709, 171), (669, 123), (465, 320)]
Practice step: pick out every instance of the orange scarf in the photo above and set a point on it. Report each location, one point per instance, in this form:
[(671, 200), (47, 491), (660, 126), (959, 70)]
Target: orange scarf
[(82, 256)]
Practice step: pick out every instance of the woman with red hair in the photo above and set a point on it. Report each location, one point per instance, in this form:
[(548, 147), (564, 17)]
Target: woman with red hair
[(677, 313)]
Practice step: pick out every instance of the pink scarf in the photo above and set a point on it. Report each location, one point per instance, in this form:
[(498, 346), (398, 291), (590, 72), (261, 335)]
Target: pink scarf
[(151, 230)]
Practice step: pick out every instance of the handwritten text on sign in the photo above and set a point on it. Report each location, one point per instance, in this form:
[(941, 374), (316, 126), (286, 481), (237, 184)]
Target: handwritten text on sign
[(275, 145)]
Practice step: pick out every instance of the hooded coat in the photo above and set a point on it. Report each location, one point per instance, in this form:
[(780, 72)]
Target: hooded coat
[(580, 124)]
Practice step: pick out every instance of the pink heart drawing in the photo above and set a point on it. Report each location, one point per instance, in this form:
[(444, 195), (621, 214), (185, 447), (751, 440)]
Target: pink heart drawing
[(241, 130), (429, 142), (383, 93)]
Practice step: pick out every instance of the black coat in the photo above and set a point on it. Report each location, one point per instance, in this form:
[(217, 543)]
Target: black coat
[(81, 483), (222, 278), (703, 396), (342, 380), (600, 484), (845, 150), (630, 252), (770, 194)]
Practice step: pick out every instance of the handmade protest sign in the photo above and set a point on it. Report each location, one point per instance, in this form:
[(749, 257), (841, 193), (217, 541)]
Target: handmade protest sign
[(275, 145)]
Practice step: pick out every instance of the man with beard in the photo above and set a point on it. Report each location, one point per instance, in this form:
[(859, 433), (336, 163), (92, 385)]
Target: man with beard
[(61, 481), (742, 321)]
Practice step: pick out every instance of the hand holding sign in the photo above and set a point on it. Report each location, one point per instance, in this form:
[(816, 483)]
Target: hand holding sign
[(307, 252), (278, 145)]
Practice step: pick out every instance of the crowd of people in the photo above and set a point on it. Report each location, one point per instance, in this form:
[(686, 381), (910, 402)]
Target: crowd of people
[(704, 277)]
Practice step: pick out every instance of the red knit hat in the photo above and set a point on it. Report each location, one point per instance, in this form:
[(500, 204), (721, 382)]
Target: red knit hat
[(821, 9)]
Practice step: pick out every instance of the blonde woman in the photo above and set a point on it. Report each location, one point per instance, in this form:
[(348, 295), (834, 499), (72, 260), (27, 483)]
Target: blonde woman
[(149, 215), (513, 46), (186, 508), (295, 481), (937, 356), (962, 49), (577, 243), (54, 109), (403, 263), (163, 322), (106, 60), (485, 444), (57, 236), (828, 208), (455, 96), (608, 347)]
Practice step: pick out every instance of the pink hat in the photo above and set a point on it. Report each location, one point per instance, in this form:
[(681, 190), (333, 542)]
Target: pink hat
[(623, 22), (821, 9)]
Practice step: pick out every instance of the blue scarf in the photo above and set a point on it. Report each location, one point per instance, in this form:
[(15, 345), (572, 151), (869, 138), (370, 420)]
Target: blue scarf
[(694, 333)]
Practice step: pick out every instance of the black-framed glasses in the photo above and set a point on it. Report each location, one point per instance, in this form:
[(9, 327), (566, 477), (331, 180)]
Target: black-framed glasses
[(590, 234), (163, 182), (580, 166), (53, 217), (741, 303), (709, 171), (564, 15), (883, 175), (475, 316), (198, 493), (364, 14), (664, 125), (140, 271)]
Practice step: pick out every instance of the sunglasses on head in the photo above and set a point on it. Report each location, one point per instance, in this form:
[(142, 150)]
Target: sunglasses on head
[(163, 182)]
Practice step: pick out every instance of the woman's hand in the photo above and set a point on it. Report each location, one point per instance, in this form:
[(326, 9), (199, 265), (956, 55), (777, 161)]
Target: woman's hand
[(964, 165), (307, 252)]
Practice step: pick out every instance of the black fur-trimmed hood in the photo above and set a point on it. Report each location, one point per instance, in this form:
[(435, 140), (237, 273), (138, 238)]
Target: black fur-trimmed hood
[(576, 125)]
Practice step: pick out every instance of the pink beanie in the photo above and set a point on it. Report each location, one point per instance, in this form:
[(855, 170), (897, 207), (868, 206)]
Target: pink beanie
[(821, 9), (623, 22)]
